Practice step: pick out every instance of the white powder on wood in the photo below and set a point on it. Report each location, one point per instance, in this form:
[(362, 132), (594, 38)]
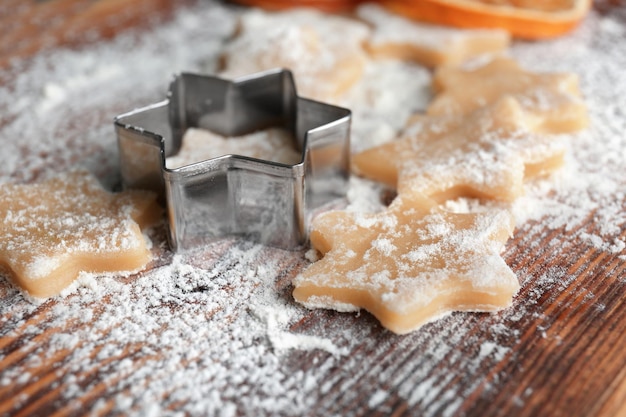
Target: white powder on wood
[(182, 336)]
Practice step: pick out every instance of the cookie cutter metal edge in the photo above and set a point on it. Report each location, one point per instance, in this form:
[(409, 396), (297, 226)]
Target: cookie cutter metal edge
[(263, 201)]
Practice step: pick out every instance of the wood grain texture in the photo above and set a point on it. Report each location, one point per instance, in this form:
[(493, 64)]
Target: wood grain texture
[(559, 351), (27, 27)]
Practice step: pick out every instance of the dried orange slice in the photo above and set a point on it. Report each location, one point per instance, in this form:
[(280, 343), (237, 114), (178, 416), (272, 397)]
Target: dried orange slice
[(531, 19)]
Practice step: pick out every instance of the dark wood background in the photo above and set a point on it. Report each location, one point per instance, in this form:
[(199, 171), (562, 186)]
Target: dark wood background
[(569, 351)]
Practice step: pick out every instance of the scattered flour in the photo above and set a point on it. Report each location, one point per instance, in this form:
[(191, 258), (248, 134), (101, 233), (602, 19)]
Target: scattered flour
[(215, 332)]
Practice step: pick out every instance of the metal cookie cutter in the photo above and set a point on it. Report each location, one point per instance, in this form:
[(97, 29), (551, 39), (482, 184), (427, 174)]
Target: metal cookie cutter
[(260, 200)]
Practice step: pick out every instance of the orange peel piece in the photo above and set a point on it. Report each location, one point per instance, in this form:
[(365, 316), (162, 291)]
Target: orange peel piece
[(53, 230), (487, 155), (530, 19), (410, 264), (552, 101)]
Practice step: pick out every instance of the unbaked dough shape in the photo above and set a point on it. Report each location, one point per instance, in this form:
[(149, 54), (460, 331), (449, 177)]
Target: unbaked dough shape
[(487, 154), (53, 230), (552, 101), (272, 144), (323, 51), (409, 264), (394, 36)]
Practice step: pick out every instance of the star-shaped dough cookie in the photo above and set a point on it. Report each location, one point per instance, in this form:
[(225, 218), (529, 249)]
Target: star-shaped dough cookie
[(487, 154), (304, 41), (409, 264), (53, 230), (552, 100), (397, 37)]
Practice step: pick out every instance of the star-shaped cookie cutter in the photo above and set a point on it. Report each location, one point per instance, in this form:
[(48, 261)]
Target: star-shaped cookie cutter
[(260, 200)]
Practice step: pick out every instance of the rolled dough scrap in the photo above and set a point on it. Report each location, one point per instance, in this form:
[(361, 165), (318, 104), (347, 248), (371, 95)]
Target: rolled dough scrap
[(487, 154), (323, 51), (273, 144), (53, 230), (552, 100), (409, 264), (396, 37)]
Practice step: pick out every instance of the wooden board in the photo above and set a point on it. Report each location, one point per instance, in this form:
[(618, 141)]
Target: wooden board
[(217, 332), (27, 27)]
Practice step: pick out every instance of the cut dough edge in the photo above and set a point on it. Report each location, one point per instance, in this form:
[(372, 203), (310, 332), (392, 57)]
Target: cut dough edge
[(402, 323)]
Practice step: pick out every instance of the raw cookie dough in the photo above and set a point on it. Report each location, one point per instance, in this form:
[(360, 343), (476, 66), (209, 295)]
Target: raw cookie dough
[(323, 51), (273, 144), (53, 230), (553, 100), (487, 154), (409, 264), (431, 45)]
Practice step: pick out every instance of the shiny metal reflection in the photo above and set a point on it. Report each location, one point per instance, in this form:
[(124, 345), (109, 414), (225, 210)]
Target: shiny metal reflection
[(260, 200)]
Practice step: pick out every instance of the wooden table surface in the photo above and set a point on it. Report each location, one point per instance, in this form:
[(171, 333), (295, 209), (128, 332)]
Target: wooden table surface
[(559, 351)]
